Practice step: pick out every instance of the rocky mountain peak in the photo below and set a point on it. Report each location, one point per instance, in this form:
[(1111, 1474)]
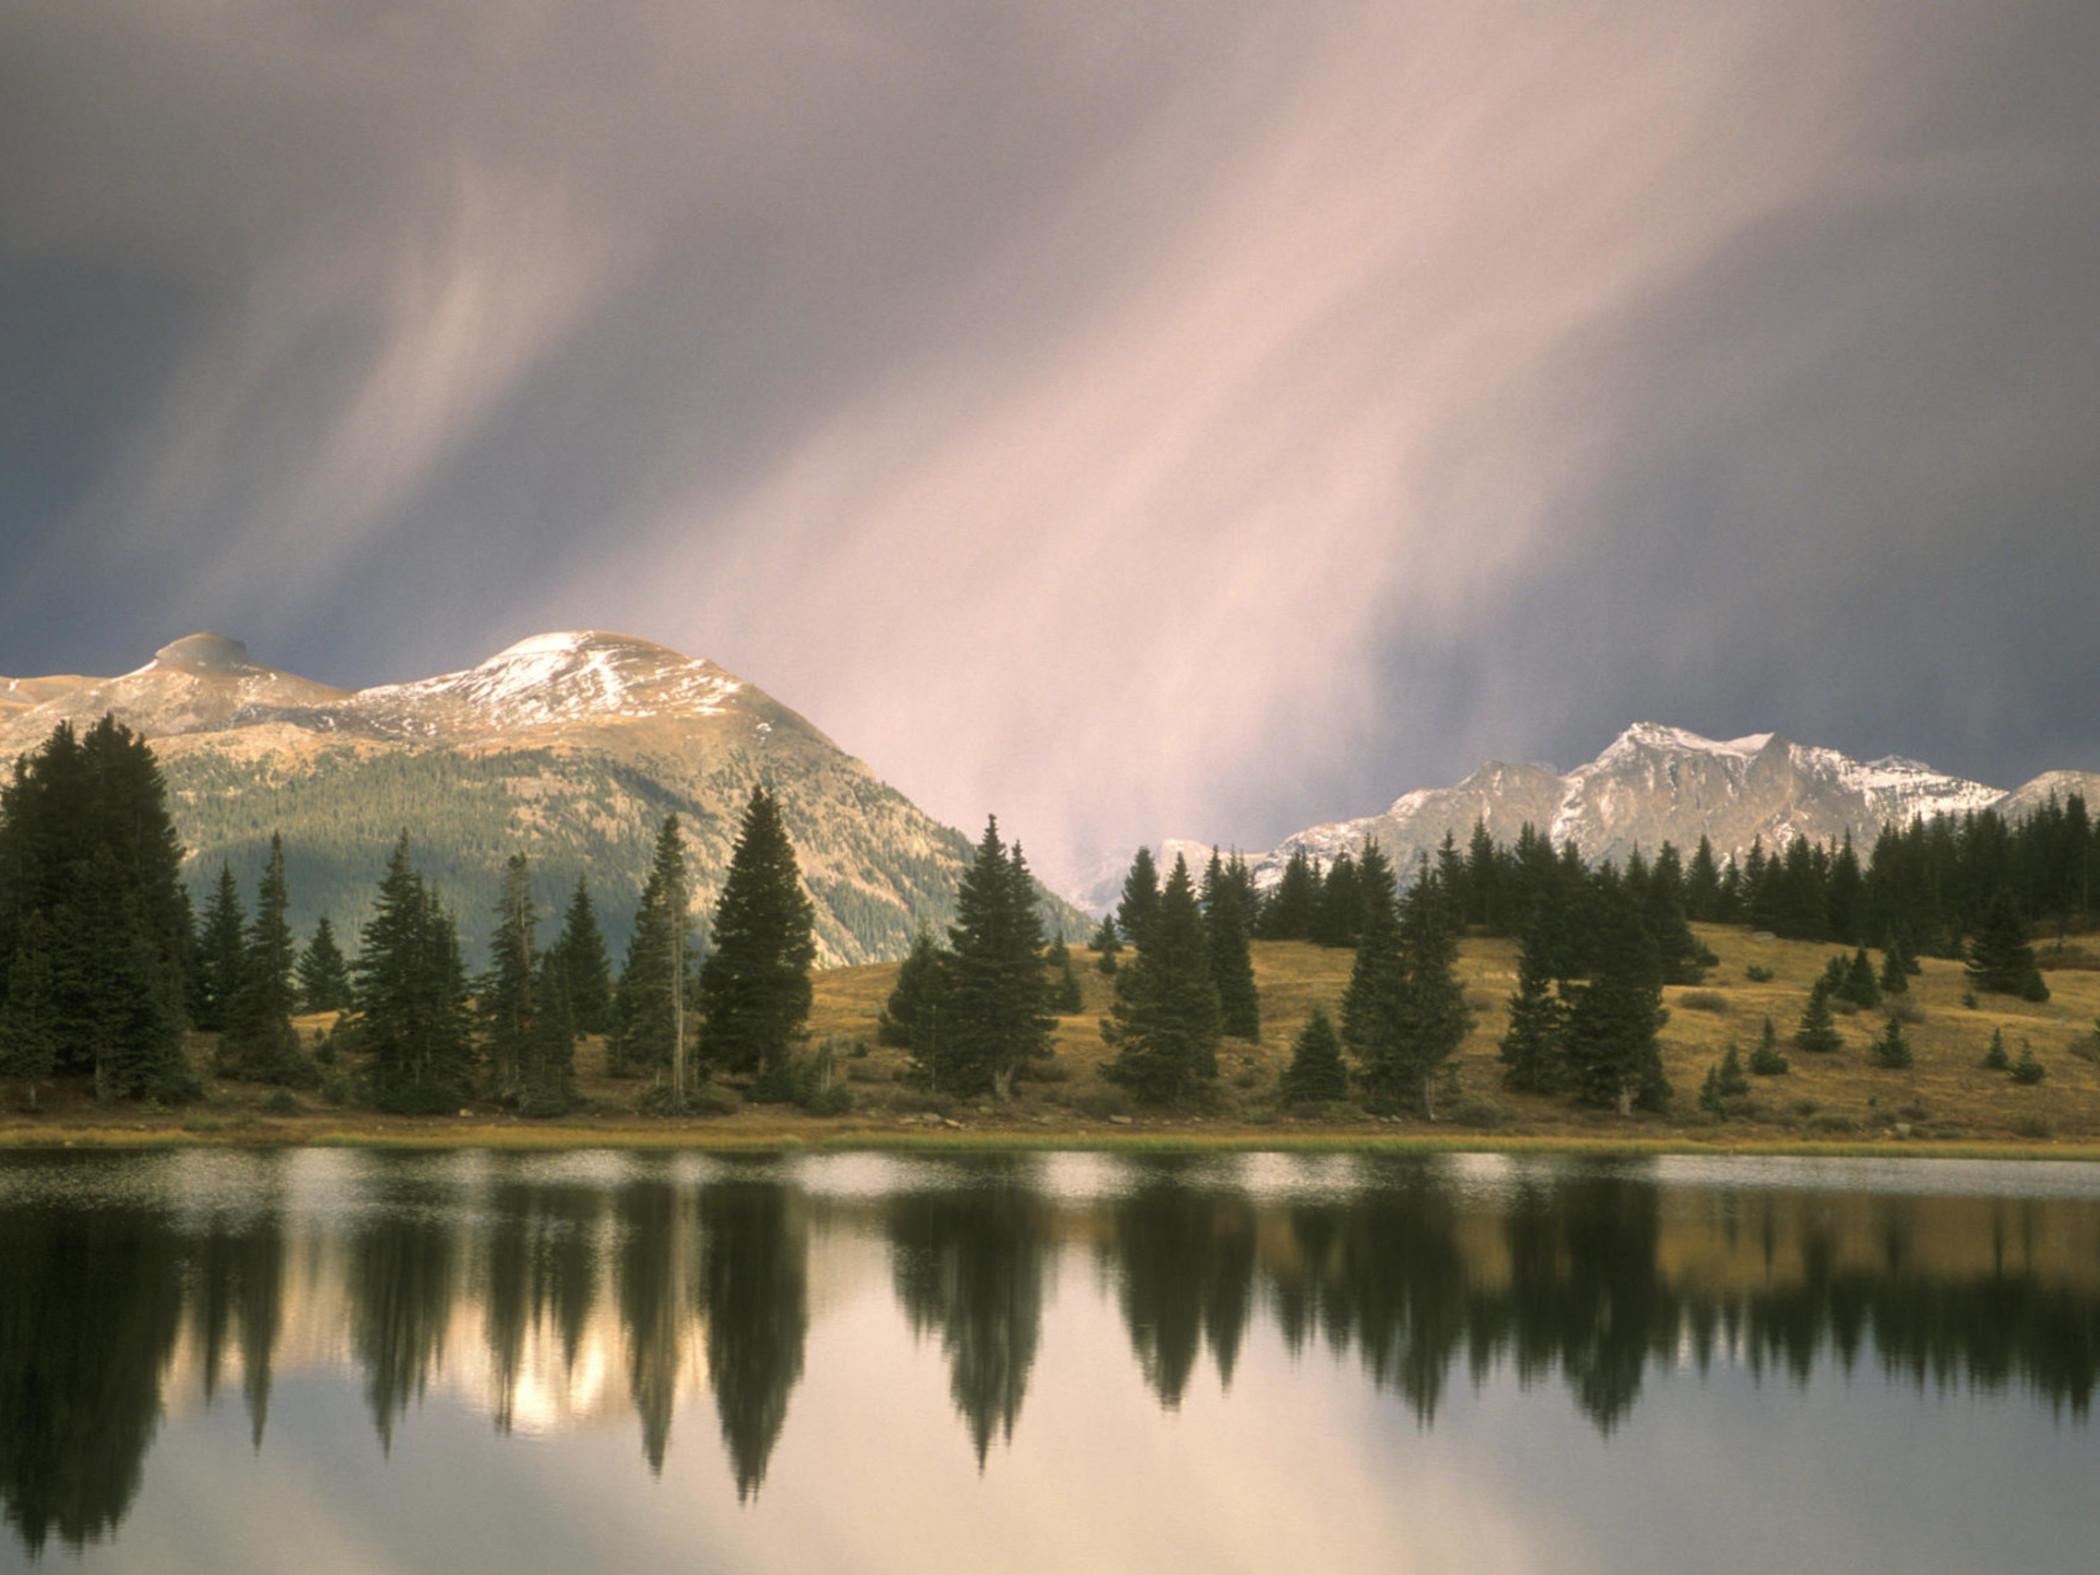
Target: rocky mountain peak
[(207, 655)]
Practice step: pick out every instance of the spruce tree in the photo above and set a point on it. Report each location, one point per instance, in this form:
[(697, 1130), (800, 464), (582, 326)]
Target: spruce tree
[(1226, 924), (1166, 1024), (1291, 911), (1530, 1050), (2001, 962), (1316, 1074), (1140, 901), (260, 1042), (1818, 1032), (910, 1018), (585, 967), (1405, 1012), (1066, 998), (1678, 951), (324, 973), (547, 1051), (754, 986), (2027, 1069), (505, 995), (1106, 944), (1995, 1057), (1895, 975), (995, 993), (1767, 1060), (1859, 986), (28, 1013), (1890, 1048), (221, 948), (410, 996), (1610, 1048), (1339, 920), (649, 1017)]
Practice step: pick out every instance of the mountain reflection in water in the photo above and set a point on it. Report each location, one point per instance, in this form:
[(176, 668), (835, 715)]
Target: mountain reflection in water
[(558, 1293)]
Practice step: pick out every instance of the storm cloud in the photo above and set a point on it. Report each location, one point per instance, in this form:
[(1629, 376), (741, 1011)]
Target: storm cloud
[(1182, 419)]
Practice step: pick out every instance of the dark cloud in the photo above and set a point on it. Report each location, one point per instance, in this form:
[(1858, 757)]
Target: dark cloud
[(1194, 419)]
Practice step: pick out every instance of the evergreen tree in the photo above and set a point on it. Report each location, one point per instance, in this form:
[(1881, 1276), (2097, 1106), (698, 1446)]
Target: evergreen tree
[(1484, 882), (649, 1013), (88, 848), (2027, 1069), (1140, 898), (323, 973), (586, 968), (28, 1014), (1995, 1057), (754, 986), (1531, 1048), (995, 989), (1767, 1060), (1890, 1048), (1410, 1016), (1818, 1031), (1895, 975), (910, 1018), (410, 997), (1066, 998), (2001, 962), (1679, 954), (1610, 1047), (1724, 1082), (505, 996), (1226, 924), (1859, 986), (1339, 920), (221, 947), (547, 1052), (1105, 943), (1702, 885), (260, 1042), (1316, 1074), (1292, 909), (1166, 1024)]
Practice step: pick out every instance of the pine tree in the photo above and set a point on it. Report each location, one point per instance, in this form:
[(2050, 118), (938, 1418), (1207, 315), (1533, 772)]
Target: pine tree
[(1339, 919), (1995, 1057), (1105, 943), (1890, 1048), (410, 997), (1405, 1011), (28, 1014), (1859, 986), (1679, 954), (1895, 974), (1818, 1031), (1166, 1024), (1066, 998), (1531, 1048), (260, 1042), (2027, 1069), (1724, 1082), (547, 1052), (1226, 924), (649, 1016), (1610, 1047), (754, 986), (221, 947), (1316, 1074), (324, 973), (1140, 903), (995, 996), (1291, 911), (2001, 962), (1767, 1060), (505, 995), (585, 967), (1702, 885), (910, 1018)]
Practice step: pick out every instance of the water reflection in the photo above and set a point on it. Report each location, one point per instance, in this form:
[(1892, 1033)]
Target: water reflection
[(551, 1302)]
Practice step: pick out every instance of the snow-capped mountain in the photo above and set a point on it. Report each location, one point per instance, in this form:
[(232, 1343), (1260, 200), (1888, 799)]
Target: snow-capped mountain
[(568, 747), (1654, 784)]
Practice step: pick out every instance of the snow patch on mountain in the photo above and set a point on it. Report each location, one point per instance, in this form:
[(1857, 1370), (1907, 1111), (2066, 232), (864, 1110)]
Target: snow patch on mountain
[(567, 676)]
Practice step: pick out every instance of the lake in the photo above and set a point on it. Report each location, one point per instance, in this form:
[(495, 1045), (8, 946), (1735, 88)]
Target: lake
[(356, 1361)]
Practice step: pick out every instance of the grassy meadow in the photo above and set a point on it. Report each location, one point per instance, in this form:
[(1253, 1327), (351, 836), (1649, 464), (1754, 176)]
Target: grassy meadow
[(1949, 1101)]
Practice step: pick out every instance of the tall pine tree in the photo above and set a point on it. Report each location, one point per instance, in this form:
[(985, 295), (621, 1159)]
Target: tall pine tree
[(1165, 1025), (410, 1024), (754, 986), (1227, 924), (260, 1042), (995, 993), (586, 969), (323, 973)]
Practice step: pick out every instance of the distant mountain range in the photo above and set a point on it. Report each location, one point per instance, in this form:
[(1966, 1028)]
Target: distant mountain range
[(569, 748), (1656, 783)]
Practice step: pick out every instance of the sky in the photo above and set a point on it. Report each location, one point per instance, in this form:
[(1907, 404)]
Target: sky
[(1176, 419)]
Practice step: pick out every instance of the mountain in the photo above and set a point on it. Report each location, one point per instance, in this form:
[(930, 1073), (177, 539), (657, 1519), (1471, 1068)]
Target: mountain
[(1656, 783), (570, 748)]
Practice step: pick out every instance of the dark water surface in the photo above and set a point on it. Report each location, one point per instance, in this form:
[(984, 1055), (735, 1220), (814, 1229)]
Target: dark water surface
[(329, 1361)]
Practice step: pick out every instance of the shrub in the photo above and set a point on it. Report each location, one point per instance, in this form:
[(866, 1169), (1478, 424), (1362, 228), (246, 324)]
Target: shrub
[(282, 1103), (1473, 1110), (1830, 1122), (1758, 973), (2032, 1127), (1703, 1001)]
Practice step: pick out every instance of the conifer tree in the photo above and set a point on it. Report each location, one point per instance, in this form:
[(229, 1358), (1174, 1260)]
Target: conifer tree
[(1339, 920), (910, 1018), (1859, 986), (1890, 1048), (649, 1015), (1226, 924), (1405, 1011), (1818, 1031), (504, 997), (1106, 945), (1316, 1074), (1140, 900), (1767, 1060), (260, 1042), (585, 966), (995, 992), (1609, 1045), (1530, 1050), (1291, 911), (410, 1022), (221, 947), (323, 973), (547, 1053), (1066, 998), (2001, 962), (1680, 955), (1995, 1057), (1166, 1024), (1702, 885), (28, 1013), (2027, 1069), (1895, 975), (1724, 1082), (754, 986)]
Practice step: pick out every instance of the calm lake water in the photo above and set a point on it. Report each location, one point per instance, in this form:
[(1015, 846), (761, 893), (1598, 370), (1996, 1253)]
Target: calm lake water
[(330, 1361)]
